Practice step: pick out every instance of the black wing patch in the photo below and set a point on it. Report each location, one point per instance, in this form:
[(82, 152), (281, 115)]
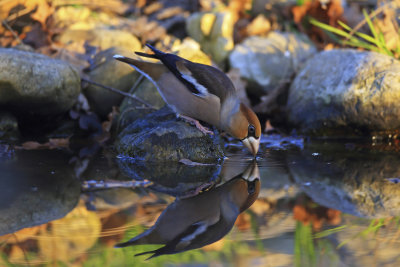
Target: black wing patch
[(170, 60)]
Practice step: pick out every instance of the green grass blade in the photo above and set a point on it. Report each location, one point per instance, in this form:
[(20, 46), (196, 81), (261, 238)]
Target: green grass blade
[(372, 28), (344, 25), (329, 28)]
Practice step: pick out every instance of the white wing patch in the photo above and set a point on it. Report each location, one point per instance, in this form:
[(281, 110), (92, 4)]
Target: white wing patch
[(202, 90)]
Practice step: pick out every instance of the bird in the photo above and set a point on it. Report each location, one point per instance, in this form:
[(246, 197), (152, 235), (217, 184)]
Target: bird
[(190, 223), (199, 92)]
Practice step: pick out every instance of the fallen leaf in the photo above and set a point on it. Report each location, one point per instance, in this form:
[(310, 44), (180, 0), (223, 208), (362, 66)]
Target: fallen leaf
[(154, 7), (259, 26), (43, 11), (328, 13), (170, 12)]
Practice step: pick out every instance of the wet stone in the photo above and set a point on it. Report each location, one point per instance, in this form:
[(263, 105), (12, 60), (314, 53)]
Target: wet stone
[(161, 136)]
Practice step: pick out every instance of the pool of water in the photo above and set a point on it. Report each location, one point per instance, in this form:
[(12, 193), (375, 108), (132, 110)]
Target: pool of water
[(300, 203)]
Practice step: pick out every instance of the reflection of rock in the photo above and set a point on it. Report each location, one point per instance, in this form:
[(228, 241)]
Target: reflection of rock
[(270, 61), (36, 188), (346, 91), (350, 181), (110, 72), (197, 221), (160, 136), (173, 178), (36, 83), (214, 32)]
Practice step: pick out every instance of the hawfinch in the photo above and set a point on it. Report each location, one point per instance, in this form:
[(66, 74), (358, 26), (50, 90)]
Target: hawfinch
[(200, 92), (194, 222)]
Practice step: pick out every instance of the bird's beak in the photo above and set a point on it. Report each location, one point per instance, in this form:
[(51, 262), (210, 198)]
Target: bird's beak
[(252, 144)]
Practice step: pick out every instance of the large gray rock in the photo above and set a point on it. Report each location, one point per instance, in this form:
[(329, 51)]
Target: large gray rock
[(160, 136), (267, 62), (346, 91), (36, 84)]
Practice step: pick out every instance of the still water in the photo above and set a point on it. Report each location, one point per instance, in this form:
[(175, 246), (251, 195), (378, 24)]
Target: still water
[(301, 203)]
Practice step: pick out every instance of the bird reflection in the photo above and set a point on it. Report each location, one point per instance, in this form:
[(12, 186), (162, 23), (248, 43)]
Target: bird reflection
[(197, 221)]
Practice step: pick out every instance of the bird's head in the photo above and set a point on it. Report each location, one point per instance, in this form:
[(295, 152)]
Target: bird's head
[(245, 126)]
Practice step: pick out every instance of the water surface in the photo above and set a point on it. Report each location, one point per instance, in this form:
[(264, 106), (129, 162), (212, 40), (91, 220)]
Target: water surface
[(302, 203)]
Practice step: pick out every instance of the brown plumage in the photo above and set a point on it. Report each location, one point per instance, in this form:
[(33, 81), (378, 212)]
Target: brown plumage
[(200, 92)]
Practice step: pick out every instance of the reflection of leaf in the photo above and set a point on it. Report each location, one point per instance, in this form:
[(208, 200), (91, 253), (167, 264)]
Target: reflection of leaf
[(70, 236)]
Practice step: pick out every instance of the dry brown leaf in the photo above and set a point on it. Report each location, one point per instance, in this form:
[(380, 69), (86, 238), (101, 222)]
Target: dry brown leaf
[(238, 8), (259, 26), (154, 7), (329, 14), (170, 12), (43, 11), (389, 28)]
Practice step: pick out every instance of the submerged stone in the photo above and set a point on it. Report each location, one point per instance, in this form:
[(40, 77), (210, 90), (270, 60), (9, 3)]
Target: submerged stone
[(342, 92)]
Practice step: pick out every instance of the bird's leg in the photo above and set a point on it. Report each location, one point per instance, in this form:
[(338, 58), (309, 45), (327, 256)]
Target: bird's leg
[(198, 125)]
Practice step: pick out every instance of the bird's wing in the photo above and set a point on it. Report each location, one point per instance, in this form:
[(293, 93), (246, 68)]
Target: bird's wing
[(199, 79)]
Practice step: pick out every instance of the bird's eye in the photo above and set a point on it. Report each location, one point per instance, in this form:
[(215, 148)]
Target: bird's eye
[(252, 130)]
